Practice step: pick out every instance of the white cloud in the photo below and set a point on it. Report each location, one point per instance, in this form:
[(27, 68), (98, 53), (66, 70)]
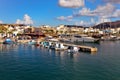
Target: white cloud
[(112, 1), (106, 10), (1, 22), (116, 13), (90, 23), (92, 20), (71, 3), (103, 19), (84, 12), (85, 23), (63, 18), (102, 13), (82, 23), (19, 21), (27, 20)]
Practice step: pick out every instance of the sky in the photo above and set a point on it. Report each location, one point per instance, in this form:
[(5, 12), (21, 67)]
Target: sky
[(57, 12)]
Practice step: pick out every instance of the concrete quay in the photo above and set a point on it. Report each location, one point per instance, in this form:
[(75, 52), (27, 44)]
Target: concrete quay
[(84, 48)]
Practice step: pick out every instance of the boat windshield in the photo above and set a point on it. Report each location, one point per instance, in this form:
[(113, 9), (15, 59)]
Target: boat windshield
[(8, 40)]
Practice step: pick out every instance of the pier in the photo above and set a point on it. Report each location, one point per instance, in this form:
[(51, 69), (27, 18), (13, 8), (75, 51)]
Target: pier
[(81, 48), (84, 48), (88, 49)]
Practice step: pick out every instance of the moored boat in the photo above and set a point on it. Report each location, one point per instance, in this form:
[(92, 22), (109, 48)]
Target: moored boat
[(60, 46), (32, 42), (72, 49), (8, 41), (110, 38)]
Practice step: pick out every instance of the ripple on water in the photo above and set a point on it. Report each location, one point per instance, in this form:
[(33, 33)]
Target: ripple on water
[(20, 62)]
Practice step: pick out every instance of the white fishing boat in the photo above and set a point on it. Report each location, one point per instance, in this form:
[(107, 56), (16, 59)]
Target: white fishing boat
[(110, 38), (60, 46), (72, 49)]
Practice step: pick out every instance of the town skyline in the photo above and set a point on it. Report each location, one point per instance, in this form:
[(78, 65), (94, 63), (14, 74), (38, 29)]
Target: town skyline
[(73, 12)]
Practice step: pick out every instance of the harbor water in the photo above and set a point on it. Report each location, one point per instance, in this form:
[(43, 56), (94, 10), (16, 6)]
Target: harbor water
[(29, 62)]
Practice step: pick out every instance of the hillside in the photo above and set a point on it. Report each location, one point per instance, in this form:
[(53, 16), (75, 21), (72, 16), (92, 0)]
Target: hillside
[(105, 25)]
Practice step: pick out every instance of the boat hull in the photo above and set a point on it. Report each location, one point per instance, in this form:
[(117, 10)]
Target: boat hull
[(5, 42)]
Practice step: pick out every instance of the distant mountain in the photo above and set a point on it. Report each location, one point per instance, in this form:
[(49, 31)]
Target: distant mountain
[(75, 26), (12, 25), (105, 25)]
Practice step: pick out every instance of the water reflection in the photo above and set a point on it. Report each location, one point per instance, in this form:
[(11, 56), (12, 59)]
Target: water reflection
[(89, 53), (7, 47), (23, 60), (4, 47)]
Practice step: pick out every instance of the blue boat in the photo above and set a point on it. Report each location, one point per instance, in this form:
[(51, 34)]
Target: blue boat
[(8, 41)]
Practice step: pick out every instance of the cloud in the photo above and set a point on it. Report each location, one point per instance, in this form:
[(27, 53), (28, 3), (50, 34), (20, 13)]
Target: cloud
[(106, 10), (92, 20), (81, 23), (63, 18), (85, 23), (1, 22), (102, 13), (84, 12), (116, 14), (71, 3), (26, 20), (112, 1), (103, 19), (19, 21)]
